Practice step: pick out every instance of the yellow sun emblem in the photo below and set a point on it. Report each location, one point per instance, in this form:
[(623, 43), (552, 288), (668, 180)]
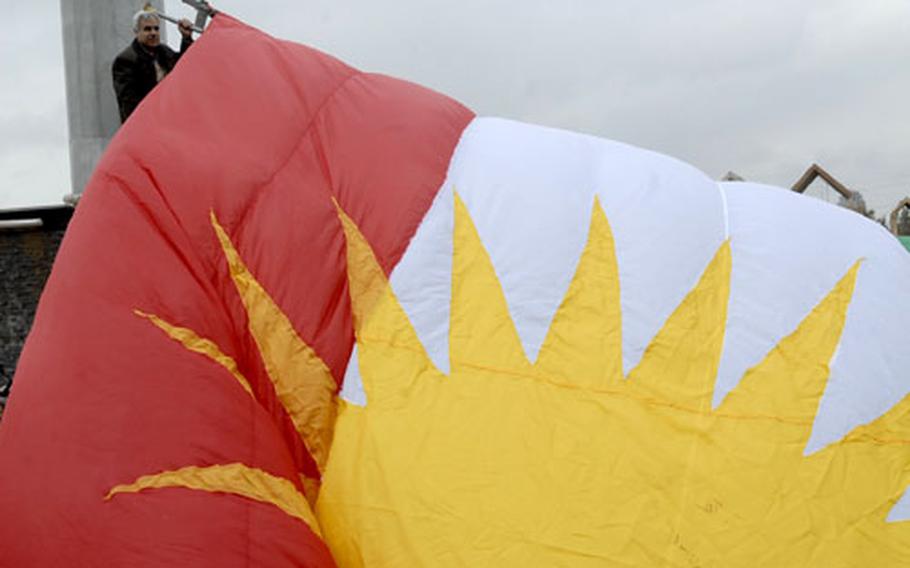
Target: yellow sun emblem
[(565, 462)]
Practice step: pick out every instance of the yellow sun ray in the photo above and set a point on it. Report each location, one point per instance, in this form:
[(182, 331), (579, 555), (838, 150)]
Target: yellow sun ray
[(593, 296), (680, 364), (234, 479), (303, 383), (787, 385), (563, 463), (380, 323), (479, 309), (193, 342)]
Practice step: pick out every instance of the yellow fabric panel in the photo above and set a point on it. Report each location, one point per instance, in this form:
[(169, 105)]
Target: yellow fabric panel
[(193, 342), (680, 364), (564, 463), (745, 479), (303, 383), (479, 309), (788, 384), (589, 320), (380, 324), (235, 479)]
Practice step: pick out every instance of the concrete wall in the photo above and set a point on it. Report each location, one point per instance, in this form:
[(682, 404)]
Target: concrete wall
[(94, 32)]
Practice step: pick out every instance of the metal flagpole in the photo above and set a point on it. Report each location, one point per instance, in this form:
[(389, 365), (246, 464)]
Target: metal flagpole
[(203, 12)]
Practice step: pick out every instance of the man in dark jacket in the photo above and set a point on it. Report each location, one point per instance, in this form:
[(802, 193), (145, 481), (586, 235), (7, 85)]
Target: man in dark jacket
[(145, 62)]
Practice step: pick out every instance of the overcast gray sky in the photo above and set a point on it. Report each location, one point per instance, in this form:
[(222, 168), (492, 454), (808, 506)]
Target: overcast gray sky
[(761, 88)]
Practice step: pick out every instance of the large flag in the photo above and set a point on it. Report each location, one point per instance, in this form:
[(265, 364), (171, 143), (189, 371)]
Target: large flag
[(175, 401), (309, 316)]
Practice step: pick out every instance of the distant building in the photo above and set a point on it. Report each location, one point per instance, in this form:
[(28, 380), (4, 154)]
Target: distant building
[(815, 171), (899, 220), (847, 198)]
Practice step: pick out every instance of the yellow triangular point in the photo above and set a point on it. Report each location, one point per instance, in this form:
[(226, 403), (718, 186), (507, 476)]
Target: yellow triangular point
[(235, 479), (680, 364), (386, 341), (790, 381), (479, 311), (303, 383), (872, 461), (584, 343)]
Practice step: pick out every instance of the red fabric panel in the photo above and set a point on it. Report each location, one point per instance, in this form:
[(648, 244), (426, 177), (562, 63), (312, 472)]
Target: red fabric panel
[(263, 133), (385, 206)]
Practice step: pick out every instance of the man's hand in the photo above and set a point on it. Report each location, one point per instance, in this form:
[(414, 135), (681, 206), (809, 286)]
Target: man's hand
[(186, 27)]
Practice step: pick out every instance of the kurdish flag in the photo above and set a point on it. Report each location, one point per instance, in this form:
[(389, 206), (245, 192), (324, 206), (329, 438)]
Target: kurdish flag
[(310, 316)]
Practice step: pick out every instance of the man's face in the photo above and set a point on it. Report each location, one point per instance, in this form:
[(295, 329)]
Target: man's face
[(148, 33)]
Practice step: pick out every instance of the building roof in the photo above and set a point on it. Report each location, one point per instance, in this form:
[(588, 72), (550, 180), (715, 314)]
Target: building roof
[(732, 176), (816, 171)]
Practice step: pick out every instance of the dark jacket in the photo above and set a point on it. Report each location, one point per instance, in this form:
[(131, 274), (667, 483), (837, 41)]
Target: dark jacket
[(134, 72)]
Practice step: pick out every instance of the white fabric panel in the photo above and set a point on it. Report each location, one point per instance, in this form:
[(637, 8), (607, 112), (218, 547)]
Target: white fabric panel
[(352, 387), (782, 268), (530, 191), (788, 252), (668, 221), (901, 511), (871, 372), (422, 280)]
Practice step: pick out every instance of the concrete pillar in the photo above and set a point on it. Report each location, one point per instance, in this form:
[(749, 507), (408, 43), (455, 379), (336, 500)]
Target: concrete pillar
[(94, 32)]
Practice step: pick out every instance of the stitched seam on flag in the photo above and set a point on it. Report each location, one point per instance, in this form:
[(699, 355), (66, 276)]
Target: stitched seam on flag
[(595, 390), (864, 439), (724, 209), (180, 252), (256, 194)]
